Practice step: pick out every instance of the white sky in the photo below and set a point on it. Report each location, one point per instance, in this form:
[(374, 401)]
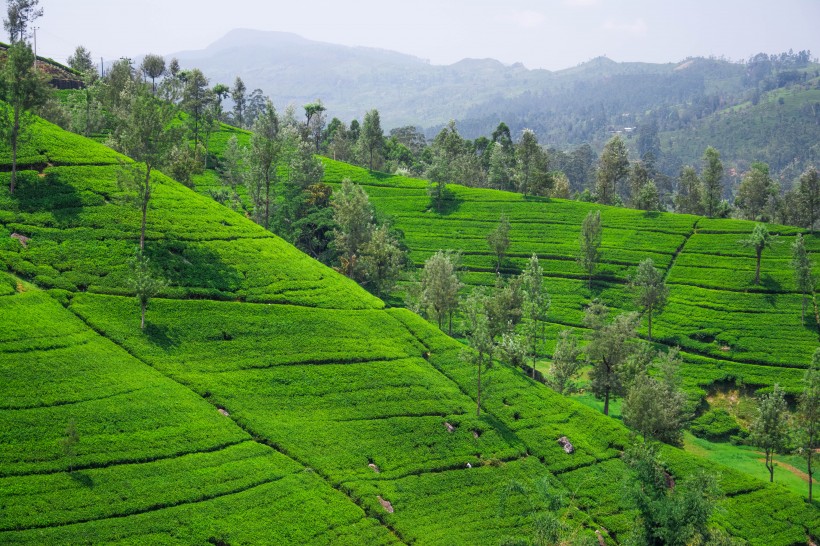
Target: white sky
[(550, 34)]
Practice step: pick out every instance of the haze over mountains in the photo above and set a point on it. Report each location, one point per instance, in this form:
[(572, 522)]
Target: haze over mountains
[(766, 109)]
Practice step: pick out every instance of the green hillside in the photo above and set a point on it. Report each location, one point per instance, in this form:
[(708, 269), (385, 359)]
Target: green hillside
[(271, 400), (729, 329)]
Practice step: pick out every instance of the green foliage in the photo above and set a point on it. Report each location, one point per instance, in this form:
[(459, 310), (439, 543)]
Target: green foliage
[(670, 513), (715, 425), (769, 430)]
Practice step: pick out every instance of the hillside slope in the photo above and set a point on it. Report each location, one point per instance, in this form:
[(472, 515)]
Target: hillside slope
[(728, 328), (269, 399)]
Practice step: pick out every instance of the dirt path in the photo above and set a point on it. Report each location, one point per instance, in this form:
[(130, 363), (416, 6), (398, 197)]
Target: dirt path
[(794, 470)]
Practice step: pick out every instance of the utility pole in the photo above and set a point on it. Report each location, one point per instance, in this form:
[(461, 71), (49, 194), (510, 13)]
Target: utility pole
[(35, 48)]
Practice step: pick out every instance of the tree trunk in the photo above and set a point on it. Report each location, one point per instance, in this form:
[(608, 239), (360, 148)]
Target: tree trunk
[(770, 464), (146, 196), (757, 269), (267, 199), (15, 133), (450, 325), (142, 317), (650, 325), (803, 315), (606, 402), (478, 397), (816, 312), (810, 472)]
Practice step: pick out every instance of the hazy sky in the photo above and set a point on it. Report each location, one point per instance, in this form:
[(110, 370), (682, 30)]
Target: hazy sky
[(551, 34)]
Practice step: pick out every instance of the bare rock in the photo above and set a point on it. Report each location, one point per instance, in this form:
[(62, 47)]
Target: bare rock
[(385, 504)]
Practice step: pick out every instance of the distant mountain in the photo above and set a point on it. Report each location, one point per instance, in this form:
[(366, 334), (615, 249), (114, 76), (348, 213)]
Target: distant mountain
[(686, 102), (352, 80)]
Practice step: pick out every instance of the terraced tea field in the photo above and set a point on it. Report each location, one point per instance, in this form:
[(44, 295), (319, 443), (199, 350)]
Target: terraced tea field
[(728, 328), (270, 400)]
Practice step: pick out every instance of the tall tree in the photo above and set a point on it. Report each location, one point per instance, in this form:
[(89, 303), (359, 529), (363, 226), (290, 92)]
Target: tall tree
[(608, 349), (315, 119), (499, 241), (195, 98), (353, 215), (143, 282), (689, 199), (803, 277), (501, 166), (590, 243), (382, 260), (759, 240), (655, 406), (531, 166), (263, 158), (613, 167), (240, 99), (153, 66), (712, 177), (447, 148), (81, 60), (810, 196), (22, 88), (479, 338), (769, 429), (232, 166), (371, 138), (440, 286), (143, 131), (20, 15), (650, 289), (566, 363), (668, 514), (755, 191), (808, 416), (535, 307)]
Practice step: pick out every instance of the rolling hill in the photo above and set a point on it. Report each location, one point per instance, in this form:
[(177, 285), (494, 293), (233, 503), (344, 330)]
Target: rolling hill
[(272, 400)]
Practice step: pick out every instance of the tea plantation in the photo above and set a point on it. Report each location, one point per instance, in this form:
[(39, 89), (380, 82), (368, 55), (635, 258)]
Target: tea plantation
[(271, 400), (728, 328)]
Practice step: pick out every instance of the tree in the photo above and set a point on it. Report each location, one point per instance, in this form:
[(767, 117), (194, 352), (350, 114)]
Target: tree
[(590, 243), (535, 307), (447, 148), (195, 98), (755, 191), (808, 416), (315, 119), (240, 99), (566, 364), (232, 167), (143, 282), (81, 60), (440, 286), (22, 89), (650, 289), (19, 16), (803, 277), (382, 260), (638, 179), (810, 196), (655, 406), (353, 215), (769, 429), (670, 514), (263, 158), (501, 165), (479, 337), (759, 240), (143, 131), (613, 167), (499, 241), (504, 306), (608, 349), (531, 166), (689, 199), (712, 177), (371, 138), (153, 66), (69, 443)]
